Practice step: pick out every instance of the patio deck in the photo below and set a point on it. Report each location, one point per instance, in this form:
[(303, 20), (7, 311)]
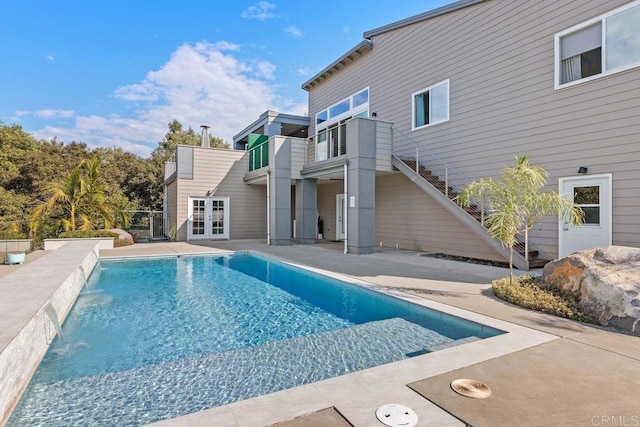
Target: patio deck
[(584, 375)]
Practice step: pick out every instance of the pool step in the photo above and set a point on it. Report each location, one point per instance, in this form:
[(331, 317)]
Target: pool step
[(170, 389)]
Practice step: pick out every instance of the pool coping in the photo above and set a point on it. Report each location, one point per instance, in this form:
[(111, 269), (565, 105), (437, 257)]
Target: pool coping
[(27, 327)]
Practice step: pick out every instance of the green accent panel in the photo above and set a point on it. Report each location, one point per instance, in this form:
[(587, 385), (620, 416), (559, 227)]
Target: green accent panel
[(254, 139), (258, 151)]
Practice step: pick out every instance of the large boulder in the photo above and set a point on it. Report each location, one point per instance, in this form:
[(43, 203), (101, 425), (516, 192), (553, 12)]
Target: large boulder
[(607, 281)]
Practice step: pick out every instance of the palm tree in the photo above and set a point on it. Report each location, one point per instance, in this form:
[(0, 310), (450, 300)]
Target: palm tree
[(66, 193), (515, 201), (83, 200)]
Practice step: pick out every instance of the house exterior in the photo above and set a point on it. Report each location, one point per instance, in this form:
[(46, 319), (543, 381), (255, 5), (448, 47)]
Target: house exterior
[(425, 105)]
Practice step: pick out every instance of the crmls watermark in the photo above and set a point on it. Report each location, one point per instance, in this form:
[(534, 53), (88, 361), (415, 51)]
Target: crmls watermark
[(615, 420)]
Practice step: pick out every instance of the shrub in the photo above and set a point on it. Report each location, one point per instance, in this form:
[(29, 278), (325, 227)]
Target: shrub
[(75, 234), (12, 235), (532, 293)]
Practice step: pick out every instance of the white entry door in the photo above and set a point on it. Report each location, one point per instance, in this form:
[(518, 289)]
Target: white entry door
[(208, 218), (340, 225), (593, 195)]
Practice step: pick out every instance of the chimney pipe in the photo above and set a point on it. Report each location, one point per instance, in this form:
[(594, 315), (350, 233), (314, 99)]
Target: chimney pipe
[(205, 136)]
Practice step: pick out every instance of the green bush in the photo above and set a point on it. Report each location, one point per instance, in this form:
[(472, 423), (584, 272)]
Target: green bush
[(12, 235), (76, 234), (532, 293)]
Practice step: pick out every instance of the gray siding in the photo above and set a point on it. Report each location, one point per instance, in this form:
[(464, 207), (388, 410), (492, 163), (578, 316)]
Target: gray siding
[(499, 57), (408, 217), (384, 146), (172, 204), (298, 157), (223, 171), (327, 206)]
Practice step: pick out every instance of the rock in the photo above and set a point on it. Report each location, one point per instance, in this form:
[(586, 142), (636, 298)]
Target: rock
[(122, 235), (607, 281)]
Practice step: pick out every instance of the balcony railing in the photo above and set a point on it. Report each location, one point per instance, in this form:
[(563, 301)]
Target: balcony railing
[(330, 142), (259, 156)]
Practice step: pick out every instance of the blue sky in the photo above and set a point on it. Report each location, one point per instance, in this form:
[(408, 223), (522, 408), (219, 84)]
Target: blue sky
[(115, 73)]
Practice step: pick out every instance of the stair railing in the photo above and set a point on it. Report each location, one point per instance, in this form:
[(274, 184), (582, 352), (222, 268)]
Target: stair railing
[(453, 178)]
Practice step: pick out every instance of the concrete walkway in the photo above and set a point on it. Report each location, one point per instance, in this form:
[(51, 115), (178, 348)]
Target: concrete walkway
[(583, 375)]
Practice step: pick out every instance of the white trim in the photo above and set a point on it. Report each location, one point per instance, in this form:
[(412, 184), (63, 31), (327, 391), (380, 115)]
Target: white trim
[(601, 18), (208, 234), (609, 201), (428, 89), (352, 111)]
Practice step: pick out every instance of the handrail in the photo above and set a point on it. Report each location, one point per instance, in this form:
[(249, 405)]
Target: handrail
[(435, 157), (444, 172)]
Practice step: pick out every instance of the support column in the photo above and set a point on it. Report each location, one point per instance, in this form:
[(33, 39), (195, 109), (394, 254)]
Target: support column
[(306, 210), (280, 188), (361, 176)]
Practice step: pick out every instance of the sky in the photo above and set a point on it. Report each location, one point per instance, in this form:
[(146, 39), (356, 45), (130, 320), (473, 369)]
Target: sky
[(115, 73)]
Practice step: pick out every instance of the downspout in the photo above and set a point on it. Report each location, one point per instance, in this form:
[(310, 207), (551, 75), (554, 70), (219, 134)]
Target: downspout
[(268, 208), (345, 215)]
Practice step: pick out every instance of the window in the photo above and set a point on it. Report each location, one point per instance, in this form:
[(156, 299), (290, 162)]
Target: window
[(588, 198), (601, 46), (339, 108), (430, 105), (360, 98), (322, 117), (330, 124)]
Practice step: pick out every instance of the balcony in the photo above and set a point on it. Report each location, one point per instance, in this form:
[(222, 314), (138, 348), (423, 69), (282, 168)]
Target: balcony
[(328, 148)]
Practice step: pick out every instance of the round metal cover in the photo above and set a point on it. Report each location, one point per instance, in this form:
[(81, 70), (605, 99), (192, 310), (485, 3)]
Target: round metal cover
[(394, 415), (471, 388)]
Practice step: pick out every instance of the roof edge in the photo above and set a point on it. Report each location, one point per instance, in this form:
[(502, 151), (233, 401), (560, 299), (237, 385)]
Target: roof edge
[(361, 48), (421, 17)]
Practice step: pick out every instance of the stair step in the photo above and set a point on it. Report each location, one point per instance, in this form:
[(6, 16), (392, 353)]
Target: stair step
[(538, 263), (166, 390)]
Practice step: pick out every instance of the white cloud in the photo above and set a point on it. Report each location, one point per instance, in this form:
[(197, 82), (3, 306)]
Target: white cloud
[(260, 11), (294, 31), (50, 58), (265, 69), (202, 83), (55, 114), (303, 71)]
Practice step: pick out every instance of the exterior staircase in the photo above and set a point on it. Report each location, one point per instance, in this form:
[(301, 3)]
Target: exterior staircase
[(472, 217)]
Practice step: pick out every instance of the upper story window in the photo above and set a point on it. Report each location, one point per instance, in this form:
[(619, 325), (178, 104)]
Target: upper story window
[(604, 45), (430, 106), (355, 105)]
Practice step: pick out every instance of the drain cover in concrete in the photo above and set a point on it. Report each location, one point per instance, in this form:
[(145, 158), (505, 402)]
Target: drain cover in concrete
[(394, 415), (471, 388)]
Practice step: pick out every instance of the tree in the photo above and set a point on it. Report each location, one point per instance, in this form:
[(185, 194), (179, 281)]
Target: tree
[(515, 201), (80, 201), (66, 194)]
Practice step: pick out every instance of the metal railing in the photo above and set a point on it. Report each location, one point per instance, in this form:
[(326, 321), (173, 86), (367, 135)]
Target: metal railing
[(445, 178), (146, 225), (259, 156), (330, 142)]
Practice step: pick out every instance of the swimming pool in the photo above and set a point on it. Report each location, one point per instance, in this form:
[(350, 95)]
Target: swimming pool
[(156, 338)]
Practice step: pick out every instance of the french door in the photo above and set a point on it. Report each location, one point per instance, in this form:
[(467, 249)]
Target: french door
[(208, 218)]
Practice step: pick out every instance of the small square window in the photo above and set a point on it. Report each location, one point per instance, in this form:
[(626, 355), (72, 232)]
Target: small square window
[(431, 105)]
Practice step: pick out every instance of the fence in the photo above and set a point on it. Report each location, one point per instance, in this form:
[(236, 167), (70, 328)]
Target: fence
[(147, 225)]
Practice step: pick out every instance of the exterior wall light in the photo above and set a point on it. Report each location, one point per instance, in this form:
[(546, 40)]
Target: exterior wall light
[(582, 169)]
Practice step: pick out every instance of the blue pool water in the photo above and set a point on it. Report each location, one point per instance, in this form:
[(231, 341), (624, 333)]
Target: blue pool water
[(157, 338)]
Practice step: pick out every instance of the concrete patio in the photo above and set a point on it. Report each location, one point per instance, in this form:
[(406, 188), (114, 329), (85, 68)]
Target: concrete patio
[(581, 375)]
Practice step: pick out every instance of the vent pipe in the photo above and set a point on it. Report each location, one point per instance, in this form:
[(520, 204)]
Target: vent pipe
[(205, 136)]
